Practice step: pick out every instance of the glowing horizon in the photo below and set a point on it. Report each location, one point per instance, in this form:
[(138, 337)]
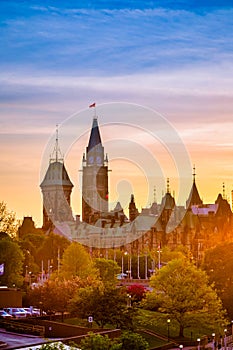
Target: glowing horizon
[(59, 58)]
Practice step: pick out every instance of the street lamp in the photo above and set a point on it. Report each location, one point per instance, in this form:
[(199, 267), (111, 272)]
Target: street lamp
[(126, 254), (199, 342), (50, 270), (30, 278), (181, 347), (138, 265), (213, 335), (122, 264), (168, 330), (225, 338), (129, 300)]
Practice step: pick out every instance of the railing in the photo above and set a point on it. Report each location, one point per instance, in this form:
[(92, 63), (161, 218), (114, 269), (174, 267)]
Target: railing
[(18, 327)]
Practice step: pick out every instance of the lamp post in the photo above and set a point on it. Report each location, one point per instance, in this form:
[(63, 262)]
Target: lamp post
[(225, 338), (138, 265), (26, 274), (159, 256), (213, 344), (168, 330), (126, 254), (181, 347), (130, 266), (30, 278), (199, 343), (122, 264), (129, 300)]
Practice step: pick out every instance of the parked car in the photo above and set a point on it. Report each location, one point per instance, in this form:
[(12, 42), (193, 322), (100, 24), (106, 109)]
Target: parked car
[(32, 312), (16, 312), (4, 314), (27, 310), (37, 312)]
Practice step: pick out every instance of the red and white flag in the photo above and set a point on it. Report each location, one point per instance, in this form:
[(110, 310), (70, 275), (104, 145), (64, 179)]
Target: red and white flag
[(92, 105)]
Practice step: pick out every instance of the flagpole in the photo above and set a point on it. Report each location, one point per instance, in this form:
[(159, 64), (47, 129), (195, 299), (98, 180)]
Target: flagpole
[(93, 105)]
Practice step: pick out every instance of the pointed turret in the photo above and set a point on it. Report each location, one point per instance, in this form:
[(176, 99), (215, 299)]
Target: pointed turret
[(56, 190), (167, 207), (224, 208), (133, 211), (194, 197), (168, 202)]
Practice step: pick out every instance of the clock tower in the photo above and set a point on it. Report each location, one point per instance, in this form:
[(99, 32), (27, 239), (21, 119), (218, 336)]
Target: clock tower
[(94, 178)]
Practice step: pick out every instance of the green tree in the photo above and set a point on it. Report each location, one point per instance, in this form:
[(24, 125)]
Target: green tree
[(51, 249), (127, 341), (105, 305), (130, 340), (12, 257), (183, 293), (77, 262), (108, 270), (218, 264), (99, 342), (54, 295), (8, 222)]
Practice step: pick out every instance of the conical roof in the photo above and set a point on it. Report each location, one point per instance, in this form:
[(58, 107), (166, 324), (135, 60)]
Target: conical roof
[(95, 138), (194, 197), (168, 202), (223, 206), (56, 175)]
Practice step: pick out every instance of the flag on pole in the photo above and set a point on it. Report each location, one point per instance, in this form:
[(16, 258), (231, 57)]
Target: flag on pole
[(92, 105), (2, 269)]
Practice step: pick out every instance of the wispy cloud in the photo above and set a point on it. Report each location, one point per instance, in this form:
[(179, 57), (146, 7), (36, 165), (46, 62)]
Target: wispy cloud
[(125, 40), (58, 57)]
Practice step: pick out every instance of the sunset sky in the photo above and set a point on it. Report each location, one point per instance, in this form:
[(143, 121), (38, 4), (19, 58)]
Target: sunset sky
[(144, 63)]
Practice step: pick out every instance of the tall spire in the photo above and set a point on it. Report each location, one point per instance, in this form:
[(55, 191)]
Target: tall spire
[(95, 139), (194, 197), (56, 155)]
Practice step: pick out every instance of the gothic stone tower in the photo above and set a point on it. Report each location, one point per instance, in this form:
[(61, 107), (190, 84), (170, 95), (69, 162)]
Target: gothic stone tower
[(56, 190), (94, 178)]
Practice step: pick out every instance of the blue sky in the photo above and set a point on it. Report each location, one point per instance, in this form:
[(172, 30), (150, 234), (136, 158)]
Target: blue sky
[(57, 58), (108, 37)]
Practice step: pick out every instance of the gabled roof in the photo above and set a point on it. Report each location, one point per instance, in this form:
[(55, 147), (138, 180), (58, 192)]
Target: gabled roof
[(95, 138)]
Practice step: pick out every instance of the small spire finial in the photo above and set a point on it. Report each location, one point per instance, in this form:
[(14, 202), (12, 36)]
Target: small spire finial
[(56, 151), (194, 173), (168, 185), (154, 194), (223, 190)]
